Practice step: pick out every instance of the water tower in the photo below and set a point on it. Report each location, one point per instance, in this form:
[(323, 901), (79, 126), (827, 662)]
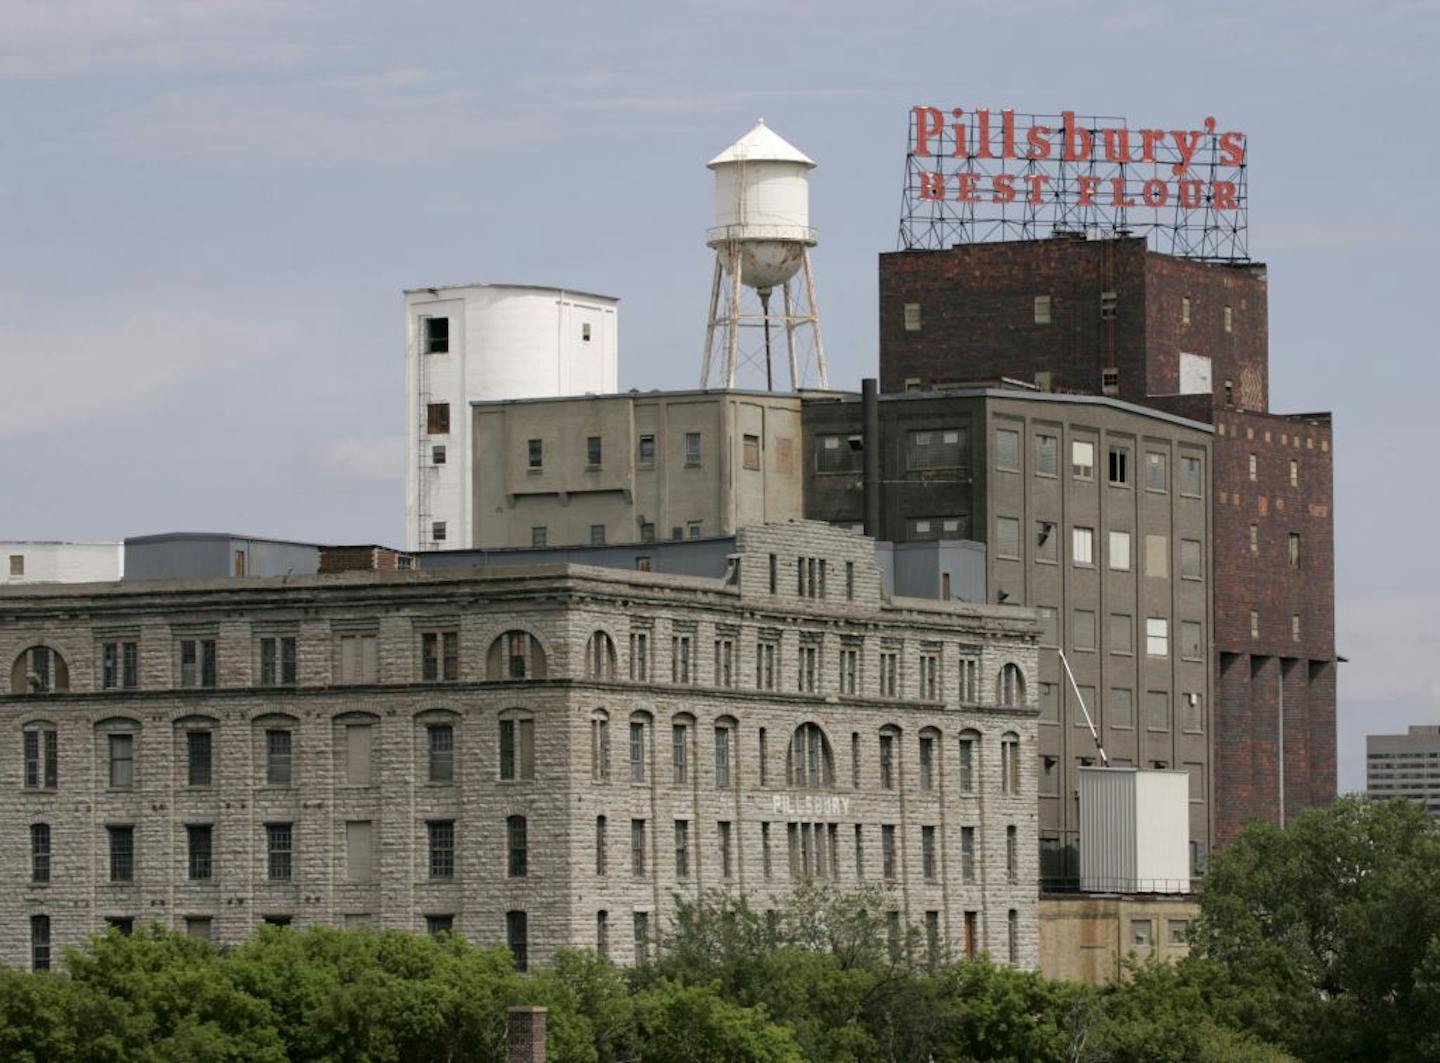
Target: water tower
[(762, 240)]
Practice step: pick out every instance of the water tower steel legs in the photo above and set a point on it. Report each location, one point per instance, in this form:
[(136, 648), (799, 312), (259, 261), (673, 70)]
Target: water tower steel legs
[(726, 320)]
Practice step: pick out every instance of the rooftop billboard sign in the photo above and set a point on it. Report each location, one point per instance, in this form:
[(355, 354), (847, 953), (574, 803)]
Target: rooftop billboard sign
[(981, 175)]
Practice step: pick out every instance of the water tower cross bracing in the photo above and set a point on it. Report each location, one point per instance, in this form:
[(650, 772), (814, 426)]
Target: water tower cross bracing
[(762, 240)]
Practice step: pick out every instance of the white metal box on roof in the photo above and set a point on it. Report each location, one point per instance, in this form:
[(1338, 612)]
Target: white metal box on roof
[(1134, 831)]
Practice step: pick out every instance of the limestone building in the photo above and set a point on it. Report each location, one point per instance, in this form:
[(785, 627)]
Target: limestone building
[(540, 755)]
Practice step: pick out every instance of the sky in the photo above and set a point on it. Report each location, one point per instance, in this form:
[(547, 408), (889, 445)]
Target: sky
[(208, 212)]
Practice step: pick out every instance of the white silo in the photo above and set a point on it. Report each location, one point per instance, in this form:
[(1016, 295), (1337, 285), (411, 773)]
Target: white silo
[(762, 239)]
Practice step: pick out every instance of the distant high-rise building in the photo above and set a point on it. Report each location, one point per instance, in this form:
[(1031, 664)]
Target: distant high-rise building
[(1406, 766)]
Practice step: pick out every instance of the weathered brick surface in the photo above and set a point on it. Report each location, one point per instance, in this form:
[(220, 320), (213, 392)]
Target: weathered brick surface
[(562, 606)]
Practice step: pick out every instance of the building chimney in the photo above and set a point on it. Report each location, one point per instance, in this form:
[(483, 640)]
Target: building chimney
[(527, 1035)]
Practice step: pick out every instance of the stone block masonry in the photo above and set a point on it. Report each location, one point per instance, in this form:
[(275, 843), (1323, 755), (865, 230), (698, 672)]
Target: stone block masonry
[(446, 746)]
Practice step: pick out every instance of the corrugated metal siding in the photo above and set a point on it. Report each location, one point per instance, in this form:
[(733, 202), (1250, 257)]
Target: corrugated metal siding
[(1107, 829)]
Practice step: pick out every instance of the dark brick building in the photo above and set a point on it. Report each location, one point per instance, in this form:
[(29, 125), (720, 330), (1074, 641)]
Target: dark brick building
[(1112, 317)]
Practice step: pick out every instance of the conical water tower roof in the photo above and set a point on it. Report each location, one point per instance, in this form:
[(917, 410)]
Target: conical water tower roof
[(761, 144)]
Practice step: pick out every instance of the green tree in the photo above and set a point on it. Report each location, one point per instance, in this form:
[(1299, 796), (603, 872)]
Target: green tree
[(1329, 930)]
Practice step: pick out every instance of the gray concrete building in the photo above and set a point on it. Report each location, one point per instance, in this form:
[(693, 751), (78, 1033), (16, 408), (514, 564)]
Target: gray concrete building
[(1405, 766), (542, 755), (1093, 511), (638, 467)]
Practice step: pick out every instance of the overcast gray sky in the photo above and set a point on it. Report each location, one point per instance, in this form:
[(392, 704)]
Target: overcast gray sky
[(208, 211)]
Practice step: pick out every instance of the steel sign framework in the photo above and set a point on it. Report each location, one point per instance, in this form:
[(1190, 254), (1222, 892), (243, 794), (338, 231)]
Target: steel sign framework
[(979, 175)]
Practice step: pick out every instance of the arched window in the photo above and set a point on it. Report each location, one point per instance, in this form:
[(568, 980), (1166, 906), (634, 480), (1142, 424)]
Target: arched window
[(811, 762), (516, 655), (969, 760), (39, 670), (929, 758), (1011, 688), (889, 757), (600, 656)]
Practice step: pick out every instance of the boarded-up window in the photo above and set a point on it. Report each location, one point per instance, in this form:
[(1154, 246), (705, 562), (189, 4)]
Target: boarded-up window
[(1157, 556), (1120, 708), (752, 452), (1120, 551), (1191, 559), (838, 453), (912, 317), (359, 658), (1082, 635), (357, 754), (1157, 710), (1042, 310), (942, 448), (437, 418), (1122, 633), (1007, 450), (1007, 537), (1047, 455), (1190, 640), (357, 850)]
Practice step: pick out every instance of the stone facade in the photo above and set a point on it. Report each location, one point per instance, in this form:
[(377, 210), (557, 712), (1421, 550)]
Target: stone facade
[(332, 789)]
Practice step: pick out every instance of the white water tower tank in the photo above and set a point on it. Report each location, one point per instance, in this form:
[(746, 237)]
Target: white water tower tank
[(762, 208)]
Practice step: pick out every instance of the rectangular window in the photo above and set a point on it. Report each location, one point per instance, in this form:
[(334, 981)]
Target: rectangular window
[(602, 846), (359, 658), (1083, 547), (1193, 707), (437, 419), (1049, 783), (637, 752), (1293, 549), (912, 317), (928, 863), (517, 846), (517, 938), (929, 676), (279, 855), (1157, 556), (1192, 565), (39, 852), (1254, 469), (277, 661), (1254, 623), (1191, 482), (437, 335), (39, 942), (278, 760), (120, 665), (122, 761), (692, 448), (645, 451), (1229, 319), (1007, 449), (1047, 455), (359, 849), (637, 847), (642, 937), (723, 737), (1155, 471), (967, 765), (887, 850), (197, 663), (17, 565), (539, 535), (808, 668), (597, 535), (1082, 629), (1109, 304), (1157, 710), (927, 763), (593, 452), (1042, 310), (122, 853), (1049, 703), (435, 925), (859, 852), (1010, 765), (440, 656), (198, 754), (198, 839), (602, 934), (760, 755), (639, 655), (750, 452), (1012, 855), (1047, 541), (1120, 708), (849, 669), (680, 747), (1049, 625), (437, 531), (517, 749), (1294, 627), (440, 742), (723, 828), (1294, 473), (1185, 310), (1122, 634), (1157, 636), (681, 651), (1119, 466), (887, 762), (967, 855), (535, 453), (358, 746), (1120, 551), (1082, 460), (1007, 537), (1191, 641), (437, 454), (682, 848)]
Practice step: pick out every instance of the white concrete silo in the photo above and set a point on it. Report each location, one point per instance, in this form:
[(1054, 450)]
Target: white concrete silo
[(762, 239)]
